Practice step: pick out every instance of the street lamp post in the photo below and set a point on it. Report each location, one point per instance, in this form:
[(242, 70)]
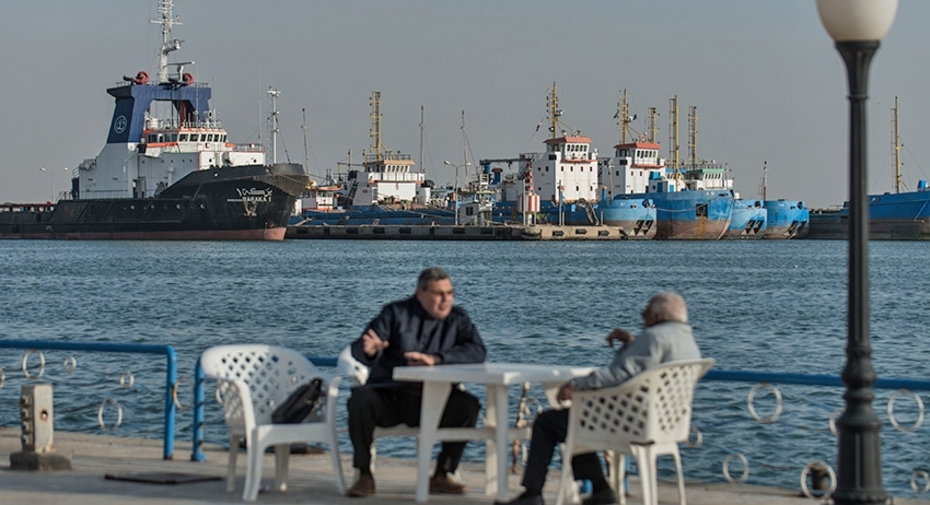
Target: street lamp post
[(53, 173), (857, 26), (455, 188)]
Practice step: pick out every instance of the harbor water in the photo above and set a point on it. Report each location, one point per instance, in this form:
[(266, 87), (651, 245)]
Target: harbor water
[(777, 306)]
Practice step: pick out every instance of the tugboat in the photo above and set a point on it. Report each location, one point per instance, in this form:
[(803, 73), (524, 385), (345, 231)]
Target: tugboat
[(696, 206), (561, 186), (167, 171)]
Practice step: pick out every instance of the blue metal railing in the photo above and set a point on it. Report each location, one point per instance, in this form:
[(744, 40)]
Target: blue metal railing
[(712, 375), (171, 372), (197, 443)]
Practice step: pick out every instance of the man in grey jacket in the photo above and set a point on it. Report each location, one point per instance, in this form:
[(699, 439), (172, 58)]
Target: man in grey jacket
[(666, 337)]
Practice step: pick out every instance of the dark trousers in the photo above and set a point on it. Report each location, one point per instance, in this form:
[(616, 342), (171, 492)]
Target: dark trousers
[(550, 429), (370, 407)]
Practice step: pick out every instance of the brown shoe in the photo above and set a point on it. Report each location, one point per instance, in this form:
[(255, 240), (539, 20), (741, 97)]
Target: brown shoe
[(364, 486), (443, 484)]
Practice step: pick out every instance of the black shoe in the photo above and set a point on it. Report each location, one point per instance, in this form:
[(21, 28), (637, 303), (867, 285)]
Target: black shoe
[(603, 497), (523, 499)]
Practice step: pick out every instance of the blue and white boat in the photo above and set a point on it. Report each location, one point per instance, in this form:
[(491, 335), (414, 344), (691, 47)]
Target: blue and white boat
[(786, 219), (749, 219)]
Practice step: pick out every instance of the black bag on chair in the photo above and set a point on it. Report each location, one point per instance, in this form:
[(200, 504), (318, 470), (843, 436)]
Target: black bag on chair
[(300, 404)]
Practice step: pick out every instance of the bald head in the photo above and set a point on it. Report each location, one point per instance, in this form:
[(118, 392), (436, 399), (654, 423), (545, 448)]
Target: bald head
[(666, 306)]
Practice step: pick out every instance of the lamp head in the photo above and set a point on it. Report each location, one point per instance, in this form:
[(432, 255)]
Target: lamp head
[(446, 162), (857, 20)]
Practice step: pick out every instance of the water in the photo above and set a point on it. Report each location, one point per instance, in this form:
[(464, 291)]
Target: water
[(755, 305)]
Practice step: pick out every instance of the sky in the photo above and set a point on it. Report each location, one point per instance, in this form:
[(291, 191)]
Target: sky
[(768, 84)]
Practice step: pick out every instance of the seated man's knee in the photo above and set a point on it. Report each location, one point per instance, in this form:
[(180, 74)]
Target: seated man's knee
[(362, 399)]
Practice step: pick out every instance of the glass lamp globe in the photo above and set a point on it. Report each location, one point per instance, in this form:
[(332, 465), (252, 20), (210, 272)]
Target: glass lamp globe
[(857, 20)]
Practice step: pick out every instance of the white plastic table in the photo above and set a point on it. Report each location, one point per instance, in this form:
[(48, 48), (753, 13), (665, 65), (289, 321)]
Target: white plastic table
[(437, 383)]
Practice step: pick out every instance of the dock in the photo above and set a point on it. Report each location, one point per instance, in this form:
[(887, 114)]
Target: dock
[(451, 232), (310, 479)]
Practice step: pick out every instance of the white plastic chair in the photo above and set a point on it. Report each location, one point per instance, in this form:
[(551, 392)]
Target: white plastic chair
[(252, 381), (358, 375), (646, 416)]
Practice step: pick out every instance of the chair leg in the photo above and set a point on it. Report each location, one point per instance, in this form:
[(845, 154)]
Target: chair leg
[(618, 475), (253, 473), (337, 463), (567, 489), (645, 462), (681, 477), (231, 465), (282, 456)]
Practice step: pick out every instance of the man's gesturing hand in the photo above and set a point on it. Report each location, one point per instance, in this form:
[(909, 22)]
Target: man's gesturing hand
[(372, 343)]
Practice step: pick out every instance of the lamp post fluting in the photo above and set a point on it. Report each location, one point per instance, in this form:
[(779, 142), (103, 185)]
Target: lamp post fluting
[(857, 26)]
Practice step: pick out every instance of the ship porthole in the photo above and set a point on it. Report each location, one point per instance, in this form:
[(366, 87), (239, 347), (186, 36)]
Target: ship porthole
[(202, 206), (179, 206), (133, 207)]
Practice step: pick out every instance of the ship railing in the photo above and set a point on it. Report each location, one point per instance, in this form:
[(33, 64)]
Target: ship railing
[(126, 380), (176, 123), (249, 148), (390, 156)]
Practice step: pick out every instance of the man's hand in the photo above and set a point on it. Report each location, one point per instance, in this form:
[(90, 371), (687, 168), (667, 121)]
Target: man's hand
[(418, 358), (372, 343), (618, 335), (565, 392)]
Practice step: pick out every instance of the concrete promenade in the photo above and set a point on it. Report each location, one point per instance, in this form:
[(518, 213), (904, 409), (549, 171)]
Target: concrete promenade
[(310, 482)]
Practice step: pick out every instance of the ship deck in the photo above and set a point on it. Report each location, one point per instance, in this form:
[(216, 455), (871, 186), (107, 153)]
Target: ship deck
[(310, 479)]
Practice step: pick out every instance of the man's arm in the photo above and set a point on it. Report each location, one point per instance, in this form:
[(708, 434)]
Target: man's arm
[(376, 337), (638, 355), (468, 348)]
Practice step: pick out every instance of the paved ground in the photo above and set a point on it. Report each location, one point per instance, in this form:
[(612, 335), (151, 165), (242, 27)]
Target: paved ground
[(311, 479)]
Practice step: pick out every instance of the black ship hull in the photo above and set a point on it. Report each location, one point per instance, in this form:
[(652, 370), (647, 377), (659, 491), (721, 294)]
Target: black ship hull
[(251, 202)]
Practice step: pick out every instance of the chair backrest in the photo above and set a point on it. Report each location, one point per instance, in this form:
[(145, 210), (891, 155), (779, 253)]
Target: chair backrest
[(653, 406), (352, 368), (270, 372)]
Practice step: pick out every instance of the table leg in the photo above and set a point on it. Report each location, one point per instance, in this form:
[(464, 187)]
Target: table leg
[(501, 406), (433, 403), (490, 445)]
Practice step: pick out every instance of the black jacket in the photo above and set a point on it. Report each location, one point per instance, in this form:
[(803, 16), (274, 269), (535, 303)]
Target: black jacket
[(406, 326)]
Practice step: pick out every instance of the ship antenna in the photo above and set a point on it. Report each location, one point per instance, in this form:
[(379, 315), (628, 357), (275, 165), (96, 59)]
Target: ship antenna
[(166, 21), (896, 146)]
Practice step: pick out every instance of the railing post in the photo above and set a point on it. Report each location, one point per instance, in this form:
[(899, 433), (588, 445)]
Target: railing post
[(197, 443), (171, 383)]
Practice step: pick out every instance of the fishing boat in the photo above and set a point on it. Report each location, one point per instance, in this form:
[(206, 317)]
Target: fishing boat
[(901, 215), (692, 202), (167, 171)]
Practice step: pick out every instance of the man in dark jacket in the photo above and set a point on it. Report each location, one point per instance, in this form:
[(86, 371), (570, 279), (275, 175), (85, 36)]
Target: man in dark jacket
[(423, 330)]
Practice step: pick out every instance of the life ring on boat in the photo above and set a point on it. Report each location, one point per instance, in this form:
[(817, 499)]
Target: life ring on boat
[(187, 78)]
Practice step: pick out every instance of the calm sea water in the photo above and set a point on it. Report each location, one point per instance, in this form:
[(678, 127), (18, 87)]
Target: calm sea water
[(759, 305)]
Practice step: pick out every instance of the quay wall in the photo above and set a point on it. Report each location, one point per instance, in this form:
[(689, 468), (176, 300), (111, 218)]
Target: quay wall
[(446, 232)]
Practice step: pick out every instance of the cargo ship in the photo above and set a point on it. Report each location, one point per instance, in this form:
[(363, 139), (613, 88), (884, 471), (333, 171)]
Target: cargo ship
[(902, 215), (167, 171)]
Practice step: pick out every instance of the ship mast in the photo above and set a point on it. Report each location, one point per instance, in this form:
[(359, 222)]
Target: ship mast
[(554, 113), (422, 129), (273, 96), (376, 146), (896, 146), (673, 138), (166, 21), (692, 137), (623, 113), (653, 128), (764, 188)]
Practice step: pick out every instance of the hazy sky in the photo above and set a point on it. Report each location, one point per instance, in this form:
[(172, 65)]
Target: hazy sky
[(767, 83)]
